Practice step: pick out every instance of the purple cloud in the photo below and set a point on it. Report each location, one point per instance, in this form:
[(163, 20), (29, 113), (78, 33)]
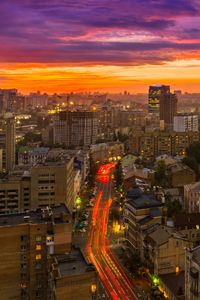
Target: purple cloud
[(66, 31)]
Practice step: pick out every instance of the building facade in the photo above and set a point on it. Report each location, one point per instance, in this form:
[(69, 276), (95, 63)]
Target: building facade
[(192, 274), (184, 123), (76, 128), (156, 93), (192, 197), (168, 109), (31, 239)]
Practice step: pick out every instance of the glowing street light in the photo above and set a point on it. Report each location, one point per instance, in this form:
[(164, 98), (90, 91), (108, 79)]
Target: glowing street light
[(155, 280), (78, 201)]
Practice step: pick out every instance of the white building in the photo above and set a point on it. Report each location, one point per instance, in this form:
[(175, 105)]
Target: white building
[(183, 123), (192, 197)]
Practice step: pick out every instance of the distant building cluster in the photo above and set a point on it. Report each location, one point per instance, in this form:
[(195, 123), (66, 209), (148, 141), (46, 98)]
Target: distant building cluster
[(50, 145)]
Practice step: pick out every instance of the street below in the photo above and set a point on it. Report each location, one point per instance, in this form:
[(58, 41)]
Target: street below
[(117, 284)]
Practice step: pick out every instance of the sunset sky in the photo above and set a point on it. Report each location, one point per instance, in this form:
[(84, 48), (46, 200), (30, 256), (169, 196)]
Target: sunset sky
[(105, 45)]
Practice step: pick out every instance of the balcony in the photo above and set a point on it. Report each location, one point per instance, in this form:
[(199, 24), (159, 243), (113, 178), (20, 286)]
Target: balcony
[(195, 292), (194, 273)]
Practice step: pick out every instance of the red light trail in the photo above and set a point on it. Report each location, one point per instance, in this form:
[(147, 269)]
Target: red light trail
[(110, 271)]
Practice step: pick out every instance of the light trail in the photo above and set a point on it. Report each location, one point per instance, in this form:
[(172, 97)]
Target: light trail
[(114, 278)]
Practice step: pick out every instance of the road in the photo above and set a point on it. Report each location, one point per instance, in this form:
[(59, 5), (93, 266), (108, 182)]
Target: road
[(115, 280)]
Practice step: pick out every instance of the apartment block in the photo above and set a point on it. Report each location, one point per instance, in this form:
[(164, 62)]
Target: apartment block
[(42, 185), (141, 211), (155, 143), (52, 182), (192, 197), (184, 123), (28, 240), (77, 128)]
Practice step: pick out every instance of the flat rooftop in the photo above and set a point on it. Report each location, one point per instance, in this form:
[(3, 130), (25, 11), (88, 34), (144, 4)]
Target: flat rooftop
[(144, 201), (73, 264), (37, 216)]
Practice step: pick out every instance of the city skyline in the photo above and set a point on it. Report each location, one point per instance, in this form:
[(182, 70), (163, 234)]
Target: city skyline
[(59, 46)]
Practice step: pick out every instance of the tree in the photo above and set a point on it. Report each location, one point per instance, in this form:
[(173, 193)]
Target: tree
[(118, 174), (173, 208), (194, 151), (92, 173), (191, 162), (160, 173), (30, 137), (122, 137)]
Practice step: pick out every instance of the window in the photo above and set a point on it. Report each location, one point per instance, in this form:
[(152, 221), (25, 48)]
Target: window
[(38, 247), (23, 266), (38, 265), (24, 238), (38, 256), (49, 238), (38, 238)]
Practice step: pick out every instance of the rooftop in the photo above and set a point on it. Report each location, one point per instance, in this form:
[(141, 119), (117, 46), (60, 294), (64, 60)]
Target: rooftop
[(175, 283), (177, 167), (73, 264), (195, 186), (184, 220), (54, 213), (196, 255), (160, 236), (139, 199)]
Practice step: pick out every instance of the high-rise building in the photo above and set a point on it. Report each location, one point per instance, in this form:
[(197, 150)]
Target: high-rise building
[(168, 108), (28, 241), (7, 142), (76, 128), (10, 142), (156, 93), (7, 100), (183, 123)]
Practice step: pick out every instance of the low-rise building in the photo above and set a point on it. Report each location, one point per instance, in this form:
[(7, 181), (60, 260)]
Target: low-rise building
[(192, 197), (73, 277), (107, 152), (179, 175), (165, 250), (32, 156), (192, 274), (189, 226)]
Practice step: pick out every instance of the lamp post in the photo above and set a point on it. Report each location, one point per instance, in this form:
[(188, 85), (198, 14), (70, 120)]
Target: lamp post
[(93, 290), (78, 202)]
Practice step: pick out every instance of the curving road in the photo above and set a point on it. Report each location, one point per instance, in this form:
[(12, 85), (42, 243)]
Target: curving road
[(110, 271)]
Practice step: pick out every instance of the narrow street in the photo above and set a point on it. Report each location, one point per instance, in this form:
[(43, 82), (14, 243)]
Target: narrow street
[(115, 280)]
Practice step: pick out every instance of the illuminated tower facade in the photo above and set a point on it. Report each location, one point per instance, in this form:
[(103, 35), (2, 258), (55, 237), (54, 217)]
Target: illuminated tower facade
[(156, 93)]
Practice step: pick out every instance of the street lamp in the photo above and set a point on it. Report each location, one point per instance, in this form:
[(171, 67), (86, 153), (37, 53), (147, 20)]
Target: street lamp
[(93, 290)]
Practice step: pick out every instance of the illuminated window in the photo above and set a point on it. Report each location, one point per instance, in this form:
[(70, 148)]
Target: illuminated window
[(38, 256), (49, 238), (38, 247), (38, 238), (177, 270)]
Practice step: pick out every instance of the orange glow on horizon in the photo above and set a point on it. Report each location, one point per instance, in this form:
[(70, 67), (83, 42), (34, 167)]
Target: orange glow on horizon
[(51, 78)]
